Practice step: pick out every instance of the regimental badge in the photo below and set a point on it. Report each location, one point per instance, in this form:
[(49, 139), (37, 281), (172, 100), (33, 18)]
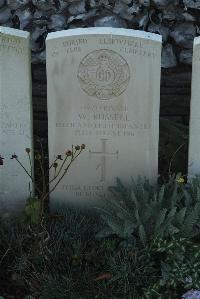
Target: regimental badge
[(103, 74)]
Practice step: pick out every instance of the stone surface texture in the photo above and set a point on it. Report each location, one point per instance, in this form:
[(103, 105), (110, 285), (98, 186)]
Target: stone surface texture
[(103, 91), (178, 21), (194, 142), (15, 117)]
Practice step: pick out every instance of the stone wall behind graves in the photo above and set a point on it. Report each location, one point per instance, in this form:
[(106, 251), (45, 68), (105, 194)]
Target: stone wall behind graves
[(176, 20)]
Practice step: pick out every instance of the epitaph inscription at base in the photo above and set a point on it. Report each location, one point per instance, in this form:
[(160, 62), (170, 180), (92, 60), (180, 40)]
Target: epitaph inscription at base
[(103, 91)]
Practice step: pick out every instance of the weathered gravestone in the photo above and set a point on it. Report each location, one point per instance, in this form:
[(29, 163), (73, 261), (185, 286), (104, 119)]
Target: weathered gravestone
[(103, 91), (15, 117), (194, 135)]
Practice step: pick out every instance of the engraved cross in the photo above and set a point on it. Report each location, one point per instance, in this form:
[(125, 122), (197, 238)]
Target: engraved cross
[(103, 154)]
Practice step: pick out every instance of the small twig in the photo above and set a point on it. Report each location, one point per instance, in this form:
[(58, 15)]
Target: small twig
[(25, 170), (43, 176), (59, 171), (31, 169), (47, 172), (55, 171), (42, 151), (62, 165), (30, 162), (32, 179), (43, 188), (72, 160), (173, 156), (65, 171), (4, 255)]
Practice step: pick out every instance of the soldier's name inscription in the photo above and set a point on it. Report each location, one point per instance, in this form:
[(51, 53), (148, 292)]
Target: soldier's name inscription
[(105, 120)]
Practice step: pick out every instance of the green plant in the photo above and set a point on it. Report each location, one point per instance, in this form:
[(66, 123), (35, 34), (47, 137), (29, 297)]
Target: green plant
[(145, 212), (180, 267), (132, 269)]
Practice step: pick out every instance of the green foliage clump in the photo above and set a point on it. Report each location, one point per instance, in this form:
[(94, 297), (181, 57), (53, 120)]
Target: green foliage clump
[(180, 268), (144, 212)]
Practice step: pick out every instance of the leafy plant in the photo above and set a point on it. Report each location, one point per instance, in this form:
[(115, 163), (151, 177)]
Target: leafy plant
[(144, 212), (132, 269), (180, 267)]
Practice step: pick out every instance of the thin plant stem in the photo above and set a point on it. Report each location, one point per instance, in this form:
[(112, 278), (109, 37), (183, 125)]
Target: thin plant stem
[(42, 151), (30, 162), (64, 173), (29, 188), (44, 191), (43, 176), (72, 160), (4, 255), (52, 163), (173, 156), (55, 170), (60, 169), (42, 166), (24, 169), (51, 166), (32, 179), (31, 169)]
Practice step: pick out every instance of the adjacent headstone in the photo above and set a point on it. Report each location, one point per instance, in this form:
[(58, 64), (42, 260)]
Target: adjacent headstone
[(194, 135), (103, 91), (15, 117)]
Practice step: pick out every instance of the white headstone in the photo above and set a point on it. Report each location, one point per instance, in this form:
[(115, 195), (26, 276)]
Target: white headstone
[(194, 135), (15, 117), (103, 91)]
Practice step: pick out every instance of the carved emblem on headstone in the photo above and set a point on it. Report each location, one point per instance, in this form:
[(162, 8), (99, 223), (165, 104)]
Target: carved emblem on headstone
[(104, 74)]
